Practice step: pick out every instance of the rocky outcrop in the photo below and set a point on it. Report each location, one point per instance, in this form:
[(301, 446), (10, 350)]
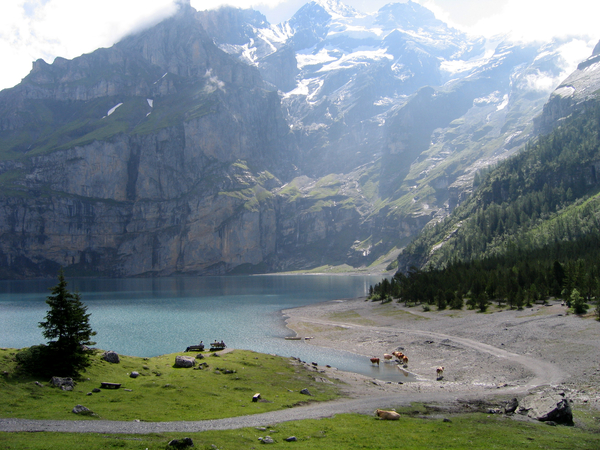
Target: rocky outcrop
[(572, 95), (185, 361), (214, 142), (280, 68), (66, 384), (546, 407), (111, 357), (152, 177)]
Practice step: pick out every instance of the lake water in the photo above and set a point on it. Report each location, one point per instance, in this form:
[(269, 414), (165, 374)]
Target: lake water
[(154, 316)]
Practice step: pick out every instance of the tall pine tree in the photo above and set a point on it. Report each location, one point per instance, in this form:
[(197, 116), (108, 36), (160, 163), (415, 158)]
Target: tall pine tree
[(68, 328)]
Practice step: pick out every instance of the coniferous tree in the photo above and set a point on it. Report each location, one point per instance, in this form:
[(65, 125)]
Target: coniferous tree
[(578, 302), (68, 329), (457, 301)]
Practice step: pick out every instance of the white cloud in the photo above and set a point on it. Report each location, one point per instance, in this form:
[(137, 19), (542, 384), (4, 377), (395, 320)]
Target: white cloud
[(33, 29), (542, 20)]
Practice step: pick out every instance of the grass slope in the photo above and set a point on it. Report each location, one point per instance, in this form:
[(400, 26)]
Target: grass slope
[(416, 429), (183, 394), (163, 393)]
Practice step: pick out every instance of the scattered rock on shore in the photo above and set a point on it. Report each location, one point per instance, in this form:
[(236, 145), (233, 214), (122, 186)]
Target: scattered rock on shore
[(547, 406)]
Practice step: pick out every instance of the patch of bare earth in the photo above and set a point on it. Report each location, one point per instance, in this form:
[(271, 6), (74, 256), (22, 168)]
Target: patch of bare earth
[(504, 351)]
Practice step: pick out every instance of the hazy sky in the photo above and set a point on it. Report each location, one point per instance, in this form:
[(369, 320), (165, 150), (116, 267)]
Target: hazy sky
[(33, 29)]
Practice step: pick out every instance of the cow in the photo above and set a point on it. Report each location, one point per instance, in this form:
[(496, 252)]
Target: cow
[(398, 355), (387, 415), (375, 361), (387, 357), (440, 372), (405, 359)]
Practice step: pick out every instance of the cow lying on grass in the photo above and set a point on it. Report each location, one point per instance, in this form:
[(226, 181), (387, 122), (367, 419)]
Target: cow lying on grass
[(387, 415)]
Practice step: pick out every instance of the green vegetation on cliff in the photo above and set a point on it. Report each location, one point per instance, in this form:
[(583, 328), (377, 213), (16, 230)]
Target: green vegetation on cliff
[(544, 195), (532, 216)]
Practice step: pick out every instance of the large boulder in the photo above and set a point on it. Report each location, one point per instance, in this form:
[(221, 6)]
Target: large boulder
[(511, 406), (185, 361), (547, 406), (111, 357), (66, 384)]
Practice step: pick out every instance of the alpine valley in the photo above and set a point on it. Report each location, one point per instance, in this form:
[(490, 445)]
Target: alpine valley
[(215, 142)]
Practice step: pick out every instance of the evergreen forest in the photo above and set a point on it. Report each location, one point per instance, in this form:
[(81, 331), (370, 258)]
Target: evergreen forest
[(529, 231)]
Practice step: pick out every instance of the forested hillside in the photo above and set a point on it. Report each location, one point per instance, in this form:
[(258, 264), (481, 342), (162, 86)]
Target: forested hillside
[(530, 230)]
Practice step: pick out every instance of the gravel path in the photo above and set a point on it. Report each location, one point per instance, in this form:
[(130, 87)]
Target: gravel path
[(313, 411), (504, 353)]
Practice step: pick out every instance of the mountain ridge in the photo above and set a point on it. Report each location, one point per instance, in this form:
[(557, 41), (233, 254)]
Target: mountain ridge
[(215, 141)]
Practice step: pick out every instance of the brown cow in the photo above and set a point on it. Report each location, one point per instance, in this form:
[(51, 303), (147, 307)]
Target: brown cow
[(440, 372), (375, 361), (387, 357), (405, 359), (399, 356), (387, 415)]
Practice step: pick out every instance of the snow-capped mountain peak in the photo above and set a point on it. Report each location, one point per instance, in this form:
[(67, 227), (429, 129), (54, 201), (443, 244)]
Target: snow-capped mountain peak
[(336, 8)]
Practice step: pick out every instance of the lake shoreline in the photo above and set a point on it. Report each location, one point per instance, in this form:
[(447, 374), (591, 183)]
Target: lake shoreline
[(500, 351)]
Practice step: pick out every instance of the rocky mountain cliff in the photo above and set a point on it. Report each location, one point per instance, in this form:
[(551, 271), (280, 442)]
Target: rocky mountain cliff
[(217, 142), (132, 160), (581, 88)]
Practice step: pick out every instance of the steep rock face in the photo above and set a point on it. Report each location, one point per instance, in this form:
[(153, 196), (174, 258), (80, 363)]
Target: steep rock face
[(400, 91), (280, 68), (215, 141), (572, 94), (146, 173), (200, 232), (241, 32)]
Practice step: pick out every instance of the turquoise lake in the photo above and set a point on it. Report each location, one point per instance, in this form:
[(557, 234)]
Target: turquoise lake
[(153, 316)]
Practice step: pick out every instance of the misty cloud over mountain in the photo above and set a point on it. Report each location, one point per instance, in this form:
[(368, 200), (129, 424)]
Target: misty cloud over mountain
[(215, 142)]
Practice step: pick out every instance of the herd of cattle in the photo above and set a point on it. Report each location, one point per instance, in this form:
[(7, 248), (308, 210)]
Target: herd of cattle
[(402, 359)]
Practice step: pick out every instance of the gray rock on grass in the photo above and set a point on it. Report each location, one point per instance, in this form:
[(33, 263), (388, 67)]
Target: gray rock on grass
[(185, 361), (66, 384), (82, 410), (111, 357), (547, 406)]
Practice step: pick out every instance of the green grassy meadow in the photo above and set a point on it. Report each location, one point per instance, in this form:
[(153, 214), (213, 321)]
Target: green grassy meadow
[(162, 392), (345, 431)]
